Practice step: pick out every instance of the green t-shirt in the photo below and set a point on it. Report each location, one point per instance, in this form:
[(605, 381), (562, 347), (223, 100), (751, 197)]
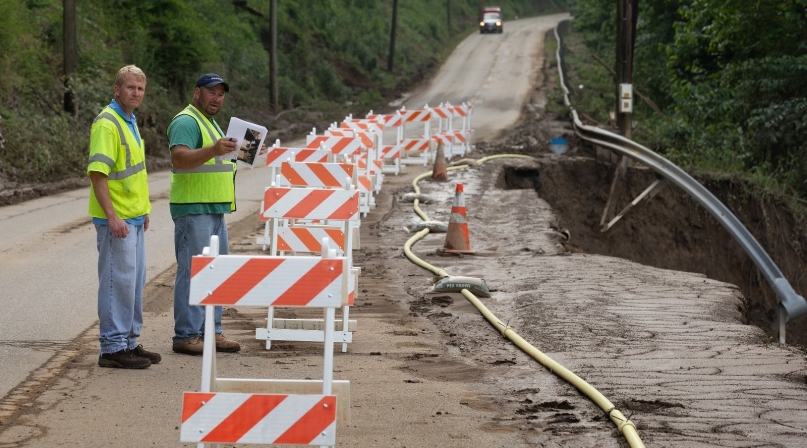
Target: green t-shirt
[(184, 130)]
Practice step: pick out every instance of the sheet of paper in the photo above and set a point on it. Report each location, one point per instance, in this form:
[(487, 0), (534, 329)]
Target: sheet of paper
[(249, 138)]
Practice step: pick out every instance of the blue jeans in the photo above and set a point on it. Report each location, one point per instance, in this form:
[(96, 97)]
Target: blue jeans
[(121, 279), (191, 235)]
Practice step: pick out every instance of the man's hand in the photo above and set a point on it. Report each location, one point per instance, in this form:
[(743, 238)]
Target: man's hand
[(117, 226), (224, 145), (100, 187)]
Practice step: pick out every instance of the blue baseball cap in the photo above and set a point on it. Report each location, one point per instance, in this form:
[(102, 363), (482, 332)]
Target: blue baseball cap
[(211, 79)]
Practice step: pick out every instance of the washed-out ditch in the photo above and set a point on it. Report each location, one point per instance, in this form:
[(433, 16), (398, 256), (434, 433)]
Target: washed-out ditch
[(672, 231)]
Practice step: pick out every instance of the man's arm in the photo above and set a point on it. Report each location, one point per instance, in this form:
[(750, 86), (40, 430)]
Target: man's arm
[(101, 189), (185, 158)]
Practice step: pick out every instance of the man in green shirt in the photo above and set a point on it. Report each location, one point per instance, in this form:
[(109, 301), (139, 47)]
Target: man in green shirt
[(202, 192)]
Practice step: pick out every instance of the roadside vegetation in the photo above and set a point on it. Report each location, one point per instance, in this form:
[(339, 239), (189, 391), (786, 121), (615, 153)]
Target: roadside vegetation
[(727, 77), (332, 60)]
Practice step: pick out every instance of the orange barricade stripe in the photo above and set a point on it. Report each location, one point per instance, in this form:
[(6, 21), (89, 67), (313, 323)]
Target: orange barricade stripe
[(192, 402), (244, 418), (242, 281), (270, 199), (321, 172), (291, 175), (337, 236), (309, 203), (307, 428), (345, 211), (199, 263), (310, 284)]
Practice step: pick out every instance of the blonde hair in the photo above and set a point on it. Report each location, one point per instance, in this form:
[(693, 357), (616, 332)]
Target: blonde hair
[(129, 70)]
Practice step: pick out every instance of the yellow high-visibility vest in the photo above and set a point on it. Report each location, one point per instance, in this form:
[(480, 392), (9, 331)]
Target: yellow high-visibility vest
[(125, 163), (211, 182)]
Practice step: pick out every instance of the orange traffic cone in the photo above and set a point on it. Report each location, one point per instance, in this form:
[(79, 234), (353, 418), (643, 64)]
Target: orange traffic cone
[(440, 173), (457, 240)]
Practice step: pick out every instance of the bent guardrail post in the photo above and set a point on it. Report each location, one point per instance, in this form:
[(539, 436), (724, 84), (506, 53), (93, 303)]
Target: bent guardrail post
[(791, 305)]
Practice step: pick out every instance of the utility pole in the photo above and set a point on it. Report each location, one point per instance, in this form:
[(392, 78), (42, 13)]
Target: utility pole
[(70, 55), (448, 16), (627, 13), (391, 56), (275, 100)]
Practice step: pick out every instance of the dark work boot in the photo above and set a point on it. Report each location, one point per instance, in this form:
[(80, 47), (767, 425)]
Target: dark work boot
[(155, 358), (123, 359)]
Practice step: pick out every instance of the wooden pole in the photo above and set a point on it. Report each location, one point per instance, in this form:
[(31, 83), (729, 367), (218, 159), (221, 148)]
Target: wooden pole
[(391, 56), (448, 16), (70, 37), (275, 100), (627, 11)]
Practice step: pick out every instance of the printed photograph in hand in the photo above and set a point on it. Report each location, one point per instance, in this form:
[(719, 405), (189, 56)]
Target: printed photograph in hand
[(249, 146)]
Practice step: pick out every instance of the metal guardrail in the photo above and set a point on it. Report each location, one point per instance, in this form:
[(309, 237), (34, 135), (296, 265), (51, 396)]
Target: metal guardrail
[(791, 305)]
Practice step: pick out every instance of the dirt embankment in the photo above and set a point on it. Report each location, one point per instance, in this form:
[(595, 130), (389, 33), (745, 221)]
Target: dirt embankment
[(672, 230)]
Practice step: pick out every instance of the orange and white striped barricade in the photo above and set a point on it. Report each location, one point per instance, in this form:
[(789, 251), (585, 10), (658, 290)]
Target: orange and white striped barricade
[(258, 410), (305, 174), (418, 147), (460, 139), (393, 153), (369, 142), (307, 203), (443, 113), (464, 111), (365, 124), (390, 152), (367, 193), (329, 175), (298, 235), (348, 146), (277, 155), (390, 121), (370, 132), (374, 168), (422, 116)]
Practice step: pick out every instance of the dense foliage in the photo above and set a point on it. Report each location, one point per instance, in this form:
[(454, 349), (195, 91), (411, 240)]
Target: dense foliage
[(729, 76), (331, 54)]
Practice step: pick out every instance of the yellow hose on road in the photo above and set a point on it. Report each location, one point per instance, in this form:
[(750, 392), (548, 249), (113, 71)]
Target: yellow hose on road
[(626, 427)]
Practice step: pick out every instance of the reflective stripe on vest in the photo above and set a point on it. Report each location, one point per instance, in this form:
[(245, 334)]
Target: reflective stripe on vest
[(130, 169)]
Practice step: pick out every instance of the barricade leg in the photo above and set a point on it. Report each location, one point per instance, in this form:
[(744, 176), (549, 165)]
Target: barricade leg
[(270, 322), (345, 312)]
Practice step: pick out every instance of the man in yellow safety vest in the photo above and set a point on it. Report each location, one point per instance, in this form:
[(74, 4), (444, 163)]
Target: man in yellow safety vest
[(202, 192), (120, 208)]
